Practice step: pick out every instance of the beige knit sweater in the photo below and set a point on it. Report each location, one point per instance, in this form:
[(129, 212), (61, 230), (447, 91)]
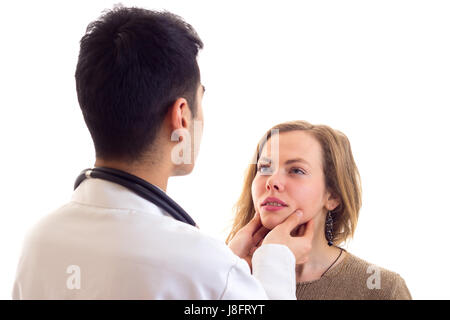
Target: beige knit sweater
[(355, 279)]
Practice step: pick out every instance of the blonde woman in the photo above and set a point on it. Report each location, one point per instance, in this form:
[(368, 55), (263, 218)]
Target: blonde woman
[(311, 167)]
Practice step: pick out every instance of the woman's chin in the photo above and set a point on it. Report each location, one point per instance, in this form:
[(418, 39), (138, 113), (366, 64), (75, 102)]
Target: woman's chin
[(270, 222)]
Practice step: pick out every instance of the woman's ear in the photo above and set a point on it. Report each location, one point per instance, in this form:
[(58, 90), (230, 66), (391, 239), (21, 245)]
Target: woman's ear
[(333, 201)]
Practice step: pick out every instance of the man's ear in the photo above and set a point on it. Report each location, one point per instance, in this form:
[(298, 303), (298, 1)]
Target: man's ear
[(179, 114)]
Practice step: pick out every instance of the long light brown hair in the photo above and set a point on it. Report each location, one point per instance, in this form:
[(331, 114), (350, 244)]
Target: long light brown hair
[(342, 179)]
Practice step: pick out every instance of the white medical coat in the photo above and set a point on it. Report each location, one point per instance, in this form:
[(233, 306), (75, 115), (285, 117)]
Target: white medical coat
[(109, 243)]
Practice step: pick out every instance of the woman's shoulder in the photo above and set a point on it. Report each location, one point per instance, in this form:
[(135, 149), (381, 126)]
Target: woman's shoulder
[(380, 282), (362, 264)]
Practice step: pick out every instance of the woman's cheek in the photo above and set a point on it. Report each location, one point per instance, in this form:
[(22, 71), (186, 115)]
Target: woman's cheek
[(254, 189), (258, 190), (309, 201)]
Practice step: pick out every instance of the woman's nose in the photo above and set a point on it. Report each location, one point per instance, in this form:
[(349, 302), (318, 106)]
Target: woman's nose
[(274, 182)]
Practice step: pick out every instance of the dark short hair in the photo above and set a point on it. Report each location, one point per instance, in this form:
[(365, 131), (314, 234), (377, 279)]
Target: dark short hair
[(132, 66)]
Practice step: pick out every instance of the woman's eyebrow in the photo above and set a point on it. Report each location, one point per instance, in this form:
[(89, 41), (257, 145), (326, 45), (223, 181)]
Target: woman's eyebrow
[(297, 160), (265, 159)]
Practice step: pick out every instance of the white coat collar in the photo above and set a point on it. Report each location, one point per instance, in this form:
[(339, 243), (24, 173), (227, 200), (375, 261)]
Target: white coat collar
[(106, 194)]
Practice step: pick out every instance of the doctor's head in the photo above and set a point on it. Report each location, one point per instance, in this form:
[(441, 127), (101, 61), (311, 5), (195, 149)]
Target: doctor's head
[(139, 87), (298, 165)]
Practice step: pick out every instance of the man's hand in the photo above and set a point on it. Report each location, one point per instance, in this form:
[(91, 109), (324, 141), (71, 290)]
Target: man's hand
[(282, 234), (248, 239)]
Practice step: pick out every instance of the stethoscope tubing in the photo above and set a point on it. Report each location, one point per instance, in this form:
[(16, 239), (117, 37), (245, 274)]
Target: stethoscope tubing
[(139, 186)]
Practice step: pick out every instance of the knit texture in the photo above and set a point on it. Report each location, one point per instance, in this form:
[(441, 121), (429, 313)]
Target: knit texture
[(355, 279)]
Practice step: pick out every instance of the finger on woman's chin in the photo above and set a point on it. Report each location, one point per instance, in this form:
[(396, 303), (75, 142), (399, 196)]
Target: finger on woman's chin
[(254, 224), (257, 218)]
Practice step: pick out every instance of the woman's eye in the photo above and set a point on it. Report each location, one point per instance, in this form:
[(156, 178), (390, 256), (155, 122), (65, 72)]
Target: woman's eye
[(297, 171), (264, 168)]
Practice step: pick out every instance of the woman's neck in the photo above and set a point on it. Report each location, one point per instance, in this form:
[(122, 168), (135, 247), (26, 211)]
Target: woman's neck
[(321, 257)]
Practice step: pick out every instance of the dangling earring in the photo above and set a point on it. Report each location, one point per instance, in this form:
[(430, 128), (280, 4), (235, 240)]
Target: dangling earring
[(329, 229)]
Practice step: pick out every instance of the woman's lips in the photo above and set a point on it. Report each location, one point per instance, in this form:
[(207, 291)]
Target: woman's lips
[(272, 208), (273, 204)]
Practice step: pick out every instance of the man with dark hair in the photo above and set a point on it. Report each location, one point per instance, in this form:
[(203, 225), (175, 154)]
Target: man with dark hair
[(133, 66), (139, 89)]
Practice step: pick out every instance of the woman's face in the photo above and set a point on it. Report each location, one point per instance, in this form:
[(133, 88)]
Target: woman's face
[(296, 182)]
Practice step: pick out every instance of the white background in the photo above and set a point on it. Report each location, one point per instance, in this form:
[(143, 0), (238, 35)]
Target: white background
[(377, 70)]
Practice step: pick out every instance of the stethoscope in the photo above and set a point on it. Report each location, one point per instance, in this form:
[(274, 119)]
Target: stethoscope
[(139, 186)]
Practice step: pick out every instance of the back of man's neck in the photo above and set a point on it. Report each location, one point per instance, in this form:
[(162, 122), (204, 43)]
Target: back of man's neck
[(154, 174)]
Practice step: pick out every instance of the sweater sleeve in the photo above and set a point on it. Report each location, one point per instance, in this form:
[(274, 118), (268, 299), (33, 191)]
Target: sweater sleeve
[(400, 290)]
